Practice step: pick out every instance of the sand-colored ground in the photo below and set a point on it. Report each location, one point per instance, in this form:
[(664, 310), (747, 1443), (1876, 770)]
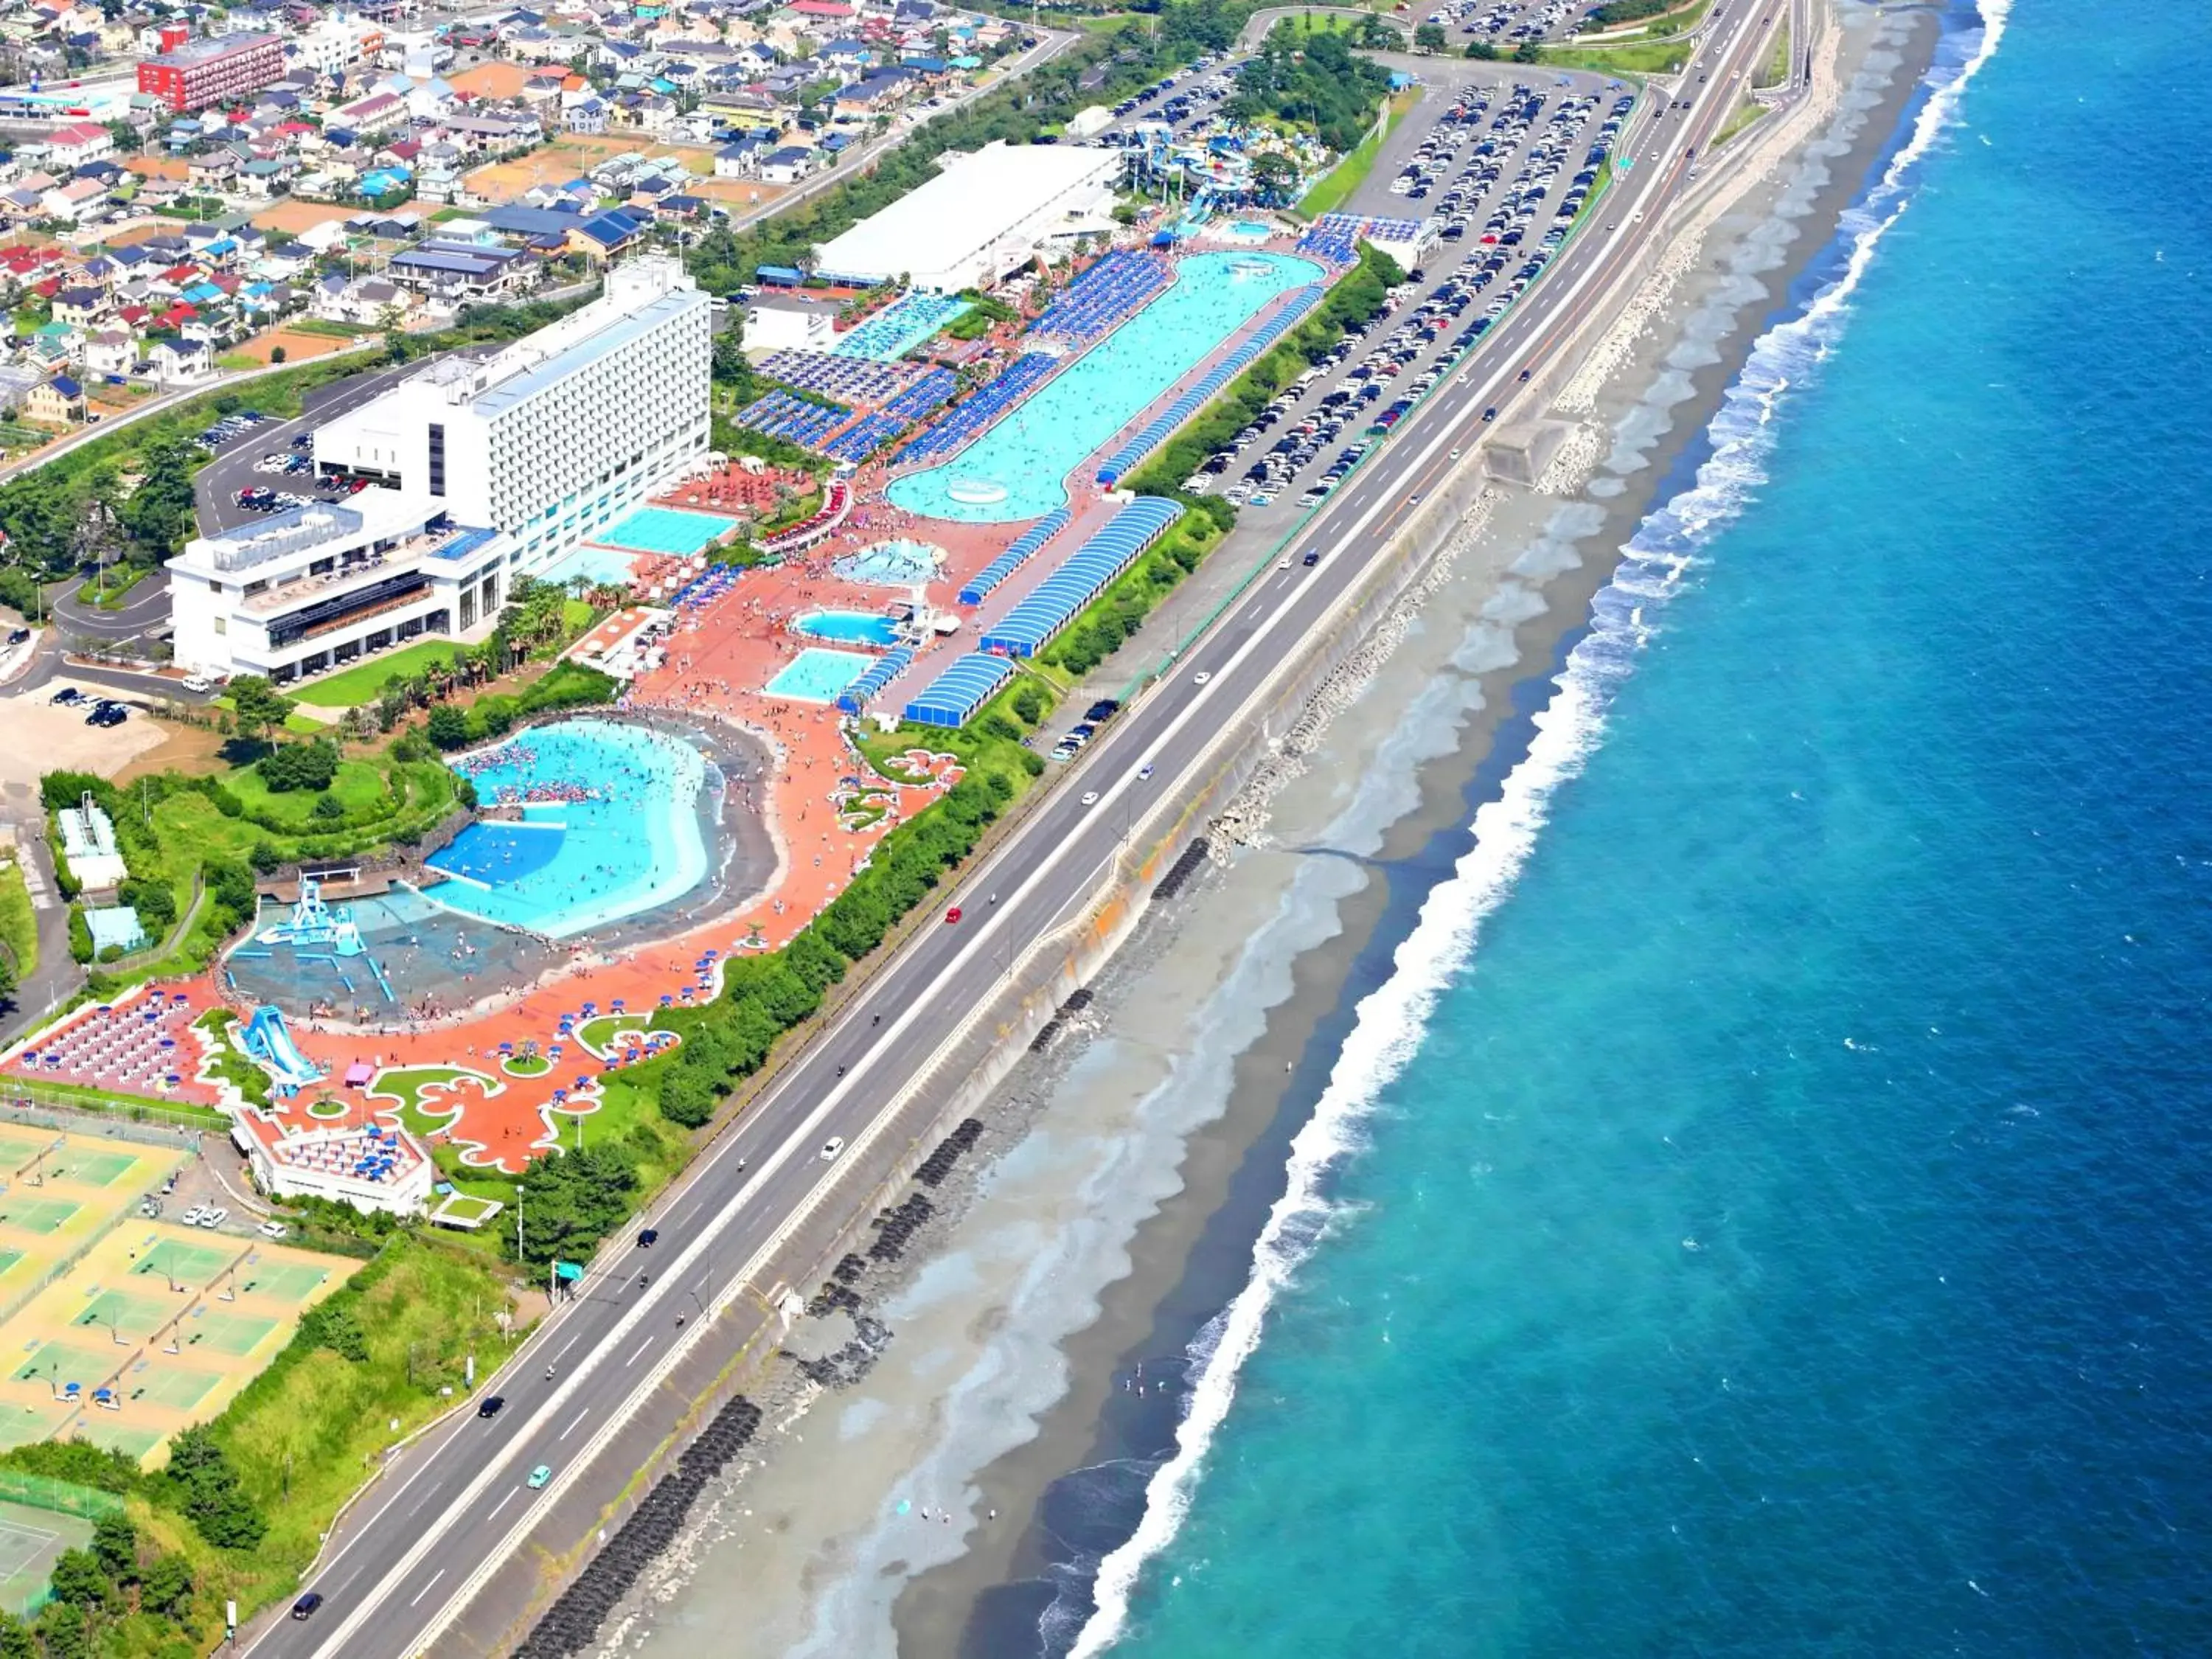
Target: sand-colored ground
[(500, 182), (299, 346), (296, 216), (42, 737), (172, 1321)]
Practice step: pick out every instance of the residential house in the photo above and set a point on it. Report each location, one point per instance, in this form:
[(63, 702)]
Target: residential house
[(75, 202), (57, 402), (179, 362), (79, 306), (787, 165), (110, 351), (586, 115), (84, 141)]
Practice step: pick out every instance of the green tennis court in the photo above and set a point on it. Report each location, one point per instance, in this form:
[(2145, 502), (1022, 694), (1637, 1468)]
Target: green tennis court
[(195, 1265), (30, 1542), (92, 1169), (232, 1334), (177, 1387), (107, 1429), (8, 1259), (129, 1316), (59, 1363), (286, 1281), (37, 1215), (15, 1151)]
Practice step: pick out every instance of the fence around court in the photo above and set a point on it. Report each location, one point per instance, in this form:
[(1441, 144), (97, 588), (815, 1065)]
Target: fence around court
[(42, 1492), (150, 1122)]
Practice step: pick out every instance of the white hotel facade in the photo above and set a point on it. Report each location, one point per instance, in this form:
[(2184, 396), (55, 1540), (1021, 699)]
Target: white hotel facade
[(558, 435), (491, 470)]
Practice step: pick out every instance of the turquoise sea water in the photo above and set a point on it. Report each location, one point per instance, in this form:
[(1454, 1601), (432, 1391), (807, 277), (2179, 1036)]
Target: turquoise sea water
[(1766, 1207), (1029, 454)]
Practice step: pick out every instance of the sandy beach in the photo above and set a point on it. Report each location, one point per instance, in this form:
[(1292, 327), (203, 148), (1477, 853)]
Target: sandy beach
[(922, 1505)]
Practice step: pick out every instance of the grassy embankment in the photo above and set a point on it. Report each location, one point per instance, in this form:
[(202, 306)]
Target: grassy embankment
[(1334, 187), (296, 1443), (1772, 73), (19, 924)]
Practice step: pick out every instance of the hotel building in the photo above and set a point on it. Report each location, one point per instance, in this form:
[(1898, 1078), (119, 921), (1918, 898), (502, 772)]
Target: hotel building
[(557, 436)]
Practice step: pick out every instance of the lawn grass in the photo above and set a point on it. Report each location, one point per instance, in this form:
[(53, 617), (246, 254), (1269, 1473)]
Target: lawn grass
[(19, 924), (301, 1434), (1334, 187), (114, 592), (1776, 70), (1636, 57), (359, 787), (1745, 114), (360, 683)]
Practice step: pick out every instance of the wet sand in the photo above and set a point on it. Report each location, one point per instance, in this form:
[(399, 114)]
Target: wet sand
[(1111, 1209)]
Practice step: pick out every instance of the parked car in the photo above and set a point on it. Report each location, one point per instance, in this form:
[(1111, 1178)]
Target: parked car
[(214, 1218)]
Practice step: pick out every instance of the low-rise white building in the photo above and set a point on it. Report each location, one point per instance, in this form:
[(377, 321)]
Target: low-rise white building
[(320, 587), (370, 1168), (561, 434)]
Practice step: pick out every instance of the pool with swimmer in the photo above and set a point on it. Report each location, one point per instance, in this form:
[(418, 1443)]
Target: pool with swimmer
[(1017, 470)]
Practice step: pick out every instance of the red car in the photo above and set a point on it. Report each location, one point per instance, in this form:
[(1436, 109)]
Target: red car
[(953, 914)]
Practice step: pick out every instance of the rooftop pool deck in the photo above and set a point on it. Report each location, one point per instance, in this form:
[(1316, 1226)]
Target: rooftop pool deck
[(1017, 469)]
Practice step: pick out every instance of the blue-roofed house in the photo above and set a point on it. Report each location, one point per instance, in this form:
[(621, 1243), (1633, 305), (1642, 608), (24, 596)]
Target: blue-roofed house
[(56, 402)]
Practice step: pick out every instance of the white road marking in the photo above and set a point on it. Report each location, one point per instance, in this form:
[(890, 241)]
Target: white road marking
[(580, 1416), (426, 1589)]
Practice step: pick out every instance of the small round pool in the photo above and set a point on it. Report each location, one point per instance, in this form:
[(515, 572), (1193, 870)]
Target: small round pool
[(847, 628)]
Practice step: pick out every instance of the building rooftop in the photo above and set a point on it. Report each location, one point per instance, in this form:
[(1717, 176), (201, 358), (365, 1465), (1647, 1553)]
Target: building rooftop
[(978, 198), (208, 48)]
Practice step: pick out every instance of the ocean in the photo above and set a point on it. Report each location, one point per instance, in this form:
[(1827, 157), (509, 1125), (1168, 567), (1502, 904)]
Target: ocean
[(1764, 1208)]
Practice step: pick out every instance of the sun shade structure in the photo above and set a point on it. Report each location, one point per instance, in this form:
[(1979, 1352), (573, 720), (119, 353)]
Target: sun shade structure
[(1014, 556), (953, 697), (854, 697), (1086, 573)]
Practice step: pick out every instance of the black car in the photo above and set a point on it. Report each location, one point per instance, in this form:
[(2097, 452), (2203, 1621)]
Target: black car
[(1103, 710), (1313, 557), (489, 1405), (648, 1238), (68, 694), (111, 714), (16, 636), (306, 1606)]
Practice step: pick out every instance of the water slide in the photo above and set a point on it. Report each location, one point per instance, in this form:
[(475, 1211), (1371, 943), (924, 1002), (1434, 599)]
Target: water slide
[(268, 1041)]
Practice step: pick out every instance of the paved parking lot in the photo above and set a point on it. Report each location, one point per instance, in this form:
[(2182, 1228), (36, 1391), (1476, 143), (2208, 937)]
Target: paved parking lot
[(1501, 159)]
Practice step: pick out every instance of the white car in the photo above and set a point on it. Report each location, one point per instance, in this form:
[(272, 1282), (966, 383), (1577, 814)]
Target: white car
[(1090, 797), (275, 1229), (1200, 678), (214, 1218), (198, 683), (192, 1216), (832, 1146)]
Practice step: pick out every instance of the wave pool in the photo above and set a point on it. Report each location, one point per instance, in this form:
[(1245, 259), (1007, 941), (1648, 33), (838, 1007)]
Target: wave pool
[(609, 826)]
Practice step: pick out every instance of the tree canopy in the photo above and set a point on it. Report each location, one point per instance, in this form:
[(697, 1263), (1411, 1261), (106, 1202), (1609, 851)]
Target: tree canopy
[(1314, 81)]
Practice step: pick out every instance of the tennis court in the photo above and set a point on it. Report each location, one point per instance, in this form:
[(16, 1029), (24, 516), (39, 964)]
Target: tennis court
[(124, 1314), (60, 1364), (89, 1168), (224, 1332), (37, 1215), (287, 1281), (15, 1151), (8, 1259), (177, 1387), (119, 1434), (30, 1542), (193, 1265)]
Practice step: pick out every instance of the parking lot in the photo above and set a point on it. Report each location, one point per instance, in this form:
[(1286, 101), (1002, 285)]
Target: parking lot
[(1502, 161), (1506, 23)]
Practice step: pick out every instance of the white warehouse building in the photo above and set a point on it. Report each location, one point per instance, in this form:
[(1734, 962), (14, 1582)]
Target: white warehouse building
[(987, 213), (558, 435), (320, 587)]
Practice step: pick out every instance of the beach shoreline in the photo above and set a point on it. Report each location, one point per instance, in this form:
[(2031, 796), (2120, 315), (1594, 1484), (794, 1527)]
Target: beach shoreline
[(799, 1537)]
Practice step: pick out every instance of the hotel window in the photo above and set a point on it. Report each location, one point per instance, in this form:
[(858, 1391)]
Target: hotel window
[(438, 459)]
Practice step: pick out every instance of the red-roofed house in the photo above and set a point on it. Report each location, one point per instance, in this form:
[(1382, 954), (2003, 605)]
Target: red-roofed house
[(85, 141)]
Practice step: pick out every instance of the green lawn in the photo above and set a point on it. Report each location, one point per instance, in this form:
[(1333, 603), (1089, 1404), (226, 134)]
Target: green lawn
[(359, 787), (1335, 187), (19, 926), (112, 592), (1745, 114), (1777, 68), (301, 1434), (1642, 58), (360, 684)]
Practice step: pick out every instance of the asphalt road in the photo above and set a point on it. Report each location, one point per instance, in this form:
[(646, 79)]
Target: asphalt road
[(408, 1564)]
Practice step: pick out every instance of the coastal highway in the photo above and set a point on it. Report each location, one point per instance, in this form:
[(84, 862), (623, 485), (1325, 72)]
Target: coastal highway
[(405, 1565)]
